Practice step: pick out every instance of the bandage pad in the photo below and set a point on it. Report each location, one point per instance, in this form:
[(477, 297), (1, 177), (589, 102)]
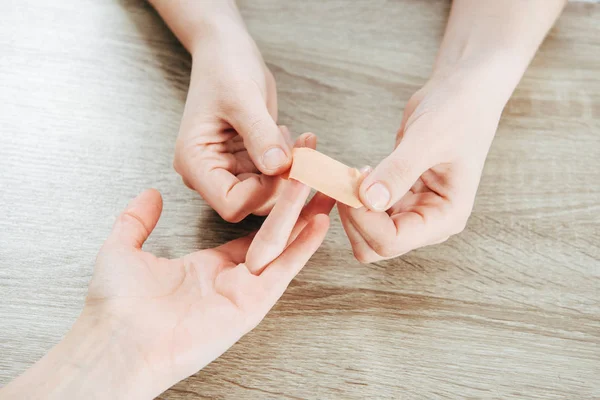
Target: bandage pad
[(326, 175)]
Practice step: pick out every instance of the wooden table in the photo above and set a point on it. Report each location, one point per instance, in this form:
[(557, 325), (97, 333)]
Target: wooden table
[(91, 94)]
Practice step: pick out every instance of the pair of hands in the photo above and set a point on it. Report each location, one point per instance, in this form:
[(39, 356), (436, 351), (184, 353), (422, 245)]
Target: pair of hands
[(231, 151), (150, 322)]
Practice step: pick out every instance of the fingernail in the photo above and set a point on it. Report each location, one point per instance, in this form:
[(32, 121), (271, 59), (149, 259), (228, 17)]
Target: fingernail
[(378, 196), (310, 141), (274, 158), (366, 170)]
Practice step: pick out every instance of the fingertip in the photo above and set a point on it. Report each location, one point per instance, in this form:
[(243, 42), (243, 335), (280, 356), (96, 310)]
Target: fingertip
[(311, 140), (243, 195), (276, 159), (307, 139), (154, 193), (273, 236), (283, 269), (232, 213), (366, 170), (136, 222), (375, 195), (149, 197)]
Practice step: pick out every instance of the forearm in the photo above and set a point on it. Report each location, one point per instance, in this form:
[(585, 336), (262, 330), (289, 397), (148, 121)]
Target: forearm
[(191, 20), (93, 361), (497, 37)]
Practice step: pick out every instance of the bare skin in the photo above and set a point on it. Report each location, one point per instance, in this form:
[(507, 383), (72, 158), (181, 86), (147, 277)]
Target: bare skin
[(423, 192)]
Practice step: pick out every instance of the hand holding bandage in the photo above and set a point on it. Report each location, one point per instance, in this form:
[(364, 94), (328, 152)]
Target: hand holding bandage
[(326, 175)]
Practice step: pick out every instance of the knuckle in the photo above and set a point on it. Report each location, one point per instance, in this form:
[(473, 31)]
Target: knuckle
[(255, 133), (363, 257), (177, 164), (187, 183), (184, 153), (230, 104), (459, 227), (236, 94), (270, 78), (229, 211), (255, 127), (270, 236), (400, 170), (129, 218), (384, 249), (231, 215), (177, 157), (442, 240)]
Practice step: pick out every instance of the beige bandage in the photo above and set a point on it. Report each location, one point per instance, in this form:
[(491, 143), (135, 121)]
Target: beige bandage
[(326, 175)]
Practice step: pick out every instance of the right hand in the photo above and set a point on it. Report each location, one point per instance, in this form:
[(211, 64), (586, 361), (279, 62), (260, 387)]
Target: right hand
[(229, 148)]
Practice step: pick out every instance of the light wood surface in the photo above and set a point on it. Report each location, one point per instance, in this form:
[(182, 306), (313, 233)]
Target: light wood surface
[(91, 94)]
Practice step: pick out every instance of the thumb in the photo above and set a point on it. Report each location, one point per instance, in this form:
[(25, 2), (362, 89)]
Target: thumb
[(266, 145), (135, 224), (393, 177)]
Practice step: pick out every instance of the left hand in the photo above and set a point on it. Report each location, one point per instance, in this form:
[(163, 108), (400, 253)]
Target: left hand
[(149, 322), (423, 192), (183, 313)]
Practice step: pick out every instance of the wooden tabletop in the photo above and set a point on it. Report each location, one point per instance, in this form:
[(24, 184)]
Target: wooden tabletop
[(91, 95)]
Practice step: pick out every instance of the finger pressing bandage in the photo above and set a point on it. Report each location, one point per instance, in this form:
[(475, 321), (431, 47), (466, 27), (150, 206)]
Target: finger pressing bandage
[(326, 175)]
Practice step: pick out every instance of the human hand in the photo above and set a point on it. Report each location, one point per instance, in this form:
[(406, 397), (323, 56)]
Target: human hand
[(150, 322), (229, 147), (181, 314), (424, 191)]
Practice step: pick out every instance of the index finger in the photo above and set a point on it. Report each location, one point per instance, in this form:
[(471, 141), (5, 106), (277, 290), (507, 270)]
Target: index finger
[(274, 234)]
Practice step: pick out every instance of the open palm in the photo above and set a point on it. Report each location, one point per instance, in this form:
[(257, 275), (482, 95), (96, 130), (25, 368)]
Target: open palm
[(181, 314)]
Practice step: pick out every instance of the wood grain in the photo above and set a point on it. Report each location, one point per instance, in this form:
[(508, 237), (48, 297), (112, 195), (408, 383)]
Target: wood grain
[(91, 94)]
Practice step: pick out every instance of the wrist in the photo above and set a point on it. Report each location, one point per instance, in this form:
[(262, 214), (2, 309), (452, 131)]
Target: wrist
[(195, 21), (106, 358), (216, 20), (218, 29), (95, 360), (489, 77)]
